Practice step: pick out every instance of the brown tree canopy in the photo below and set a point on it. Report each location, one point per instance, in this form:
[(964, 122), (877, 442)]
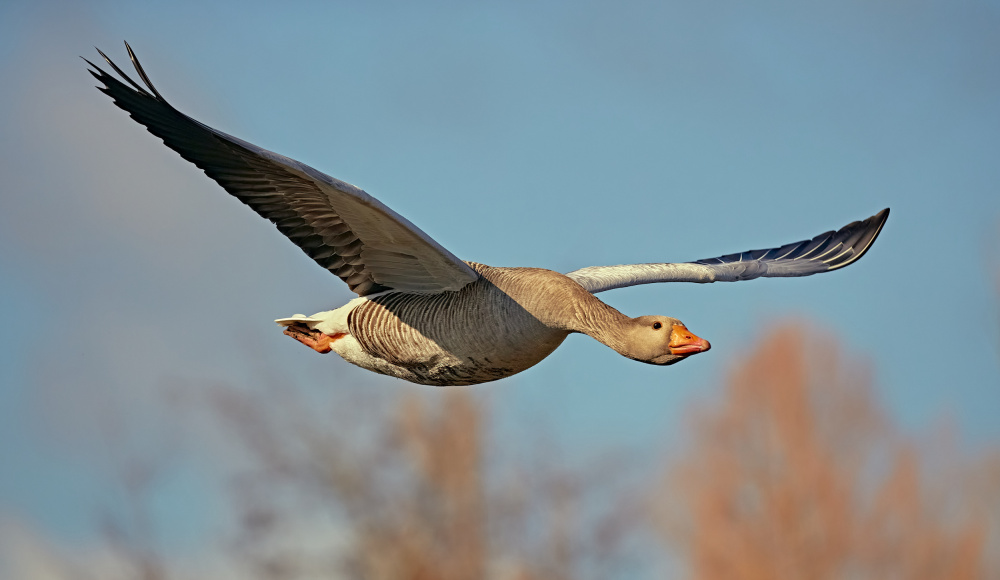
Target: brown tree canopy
[(795, 472)]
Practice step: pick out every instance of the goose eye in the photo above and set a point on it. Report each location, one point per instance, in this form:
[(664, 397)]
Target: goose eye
[(657, 326)]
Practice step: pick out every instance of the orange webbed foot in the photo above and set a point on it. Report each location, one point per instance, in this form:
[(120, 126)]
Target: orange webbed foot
[(312, 338)]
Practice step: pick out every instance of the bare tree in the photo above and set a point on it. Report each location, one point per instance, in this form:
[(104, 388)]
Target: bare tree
[(416, 494)]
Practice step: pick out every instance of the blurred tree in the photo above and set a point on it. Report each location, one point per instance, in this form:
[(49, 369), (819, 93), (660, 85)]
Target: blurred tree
[(415, 493), (793, 472), (796, 473)]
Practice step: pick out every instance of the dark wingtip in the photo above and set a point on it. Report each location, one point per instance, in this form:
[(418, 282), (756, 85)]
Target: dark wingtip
[(92, 65), (880, 218), (873, 226), (122, 74), (142, 73), (101, 52)]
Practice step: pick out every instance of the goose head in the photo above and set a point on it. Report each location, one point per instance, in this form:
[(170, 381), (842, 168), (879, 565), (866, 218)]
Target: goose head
[(661, 340)]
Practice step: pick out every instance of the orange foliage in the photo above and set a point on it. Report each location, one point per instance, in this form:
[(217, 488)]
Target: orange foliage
[(797, 474)]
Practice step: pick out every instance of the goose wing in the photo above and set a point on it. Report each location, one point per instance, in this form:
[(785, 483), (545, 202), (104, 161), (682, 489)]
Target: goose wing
[(342, 228), (827, 251)]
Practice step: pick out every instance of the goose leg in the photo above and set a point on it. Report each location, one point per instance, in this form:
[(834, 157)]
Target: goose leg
[(314, 339)]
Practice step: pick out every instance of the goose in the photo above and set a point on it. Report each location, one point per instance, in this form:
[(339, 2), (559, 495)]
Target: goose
[(423, 315)]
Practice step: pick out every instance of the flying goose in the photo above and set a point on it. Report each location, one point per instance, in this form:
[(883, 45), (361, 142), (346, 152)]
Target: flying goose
[(424, 315)]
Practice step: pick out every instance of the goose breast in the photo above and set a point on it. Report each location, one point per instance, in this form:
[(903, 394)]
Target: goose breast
[(480, 333)]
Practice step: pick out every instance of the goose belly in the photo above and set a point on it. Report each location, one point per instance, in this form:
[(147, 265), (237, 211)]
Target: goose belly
[(453, 338)]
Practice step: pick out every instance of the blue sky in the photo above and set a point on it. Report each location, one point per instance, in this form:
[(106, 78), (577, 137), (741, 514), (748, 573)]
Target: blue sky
[(547, 134)]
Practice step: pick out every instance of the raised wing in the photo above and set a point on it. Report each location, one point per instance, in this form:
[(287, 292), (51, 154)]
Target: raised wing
[(827, 251), (342, 228)]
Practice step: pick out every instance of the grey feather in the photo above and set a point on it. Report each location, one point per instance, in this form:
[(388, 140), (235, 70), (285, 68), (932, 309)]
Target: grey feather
[(823, 253)]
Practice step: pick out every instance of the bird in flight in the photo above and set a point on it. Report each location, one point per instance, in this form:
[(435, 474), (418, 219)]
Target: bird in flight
[(424, 315)]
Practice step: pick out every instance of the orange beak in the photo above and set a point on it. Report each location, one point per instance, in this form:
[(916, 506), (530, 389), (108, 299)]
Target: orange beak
[(684, 342)]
